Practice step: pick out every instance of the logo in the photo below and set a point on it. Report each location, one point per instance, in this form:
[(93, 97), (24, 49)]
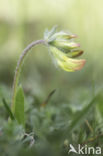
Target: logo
[(84, 149)]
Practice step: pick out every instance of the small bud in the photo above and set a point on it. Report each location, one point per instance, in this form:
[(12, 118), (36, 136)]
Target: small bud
[(74, 54), (64, 45), (63, 35)]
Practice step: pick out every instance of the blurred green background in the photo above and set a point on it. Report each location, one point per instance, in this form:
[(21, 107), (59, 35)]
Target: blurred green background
[(23, 21)]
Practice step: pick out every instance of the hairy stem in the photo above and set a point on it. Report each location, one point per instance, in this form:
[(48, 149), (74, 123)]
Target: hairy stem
[(18, 69)]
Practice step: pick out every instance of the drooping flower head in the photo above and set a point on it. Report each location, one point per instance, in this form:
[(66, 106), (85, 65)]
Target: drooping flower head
[(64, 49)]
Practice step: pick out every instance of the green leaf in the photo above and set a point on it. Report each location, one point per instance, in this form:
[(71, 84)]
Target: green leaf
[(8, 109), (48, 98), (99, 110), (19, 106), (81, 116)]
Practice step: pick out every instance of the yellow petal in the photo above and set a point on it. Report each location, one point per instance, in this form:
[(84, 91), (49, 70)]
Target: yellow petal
[(71, 65), (66, 63)]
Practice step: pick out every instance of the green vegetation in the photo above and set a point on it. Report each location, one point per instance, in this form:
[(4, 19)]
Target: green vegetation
[(53, 108)]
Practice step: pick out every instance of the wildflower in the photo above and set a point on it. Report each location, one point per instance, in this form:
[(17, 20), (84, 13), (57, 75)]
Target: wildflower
[(65, 62), (64, 50)]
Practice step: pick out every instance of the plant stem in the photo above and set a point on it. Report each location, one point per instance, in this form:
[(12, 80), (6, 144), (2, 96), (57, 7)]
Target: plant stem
[(18, 69)]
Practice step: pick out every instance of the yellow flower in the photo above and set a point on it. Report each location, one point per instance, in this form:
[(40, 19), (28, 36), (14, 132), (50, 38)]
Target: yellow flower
[(66, 63), (64, 49)]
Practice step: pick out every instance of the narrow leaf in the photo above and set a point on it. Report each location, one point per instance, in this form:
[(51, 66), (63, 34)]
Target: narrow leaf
[(19, 106), (81, 116), (48, 98), (8, 109)]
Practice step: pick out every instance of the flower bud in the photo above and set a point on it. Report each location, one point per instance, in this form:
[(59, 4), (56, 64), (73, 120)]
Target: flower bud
[(66, 63), (64, 45), (74, 54), (64, 50), (63, 35)]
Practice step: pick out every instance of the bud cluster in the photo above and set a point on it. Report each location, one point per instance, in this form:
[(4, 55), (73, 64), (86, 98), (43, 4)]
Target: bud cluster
[(64, 50)]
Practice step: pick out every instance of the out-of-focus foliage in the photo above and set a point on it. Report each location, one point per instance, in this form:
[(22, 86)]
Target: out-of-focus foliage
[(50, 128), (23, 21)]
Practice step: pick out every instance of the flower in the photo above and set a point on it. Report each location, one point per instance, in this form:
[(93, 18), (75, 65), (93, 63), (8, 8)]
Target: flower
[(64, 50), (65, 62)]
